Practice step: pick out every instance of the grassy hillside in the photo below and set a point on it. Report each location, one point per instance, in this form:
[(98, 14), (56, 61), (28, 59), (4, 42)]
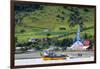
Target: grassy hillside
[(36, 21)]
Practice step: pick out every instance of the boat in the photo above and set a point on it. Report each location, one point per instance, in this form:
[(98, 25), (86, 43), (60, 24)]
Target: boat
[(50, 54)]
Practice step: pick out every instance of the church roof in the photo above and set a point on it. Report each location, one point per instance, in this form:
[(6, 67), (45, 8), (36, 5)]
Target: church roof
[(77, 43)]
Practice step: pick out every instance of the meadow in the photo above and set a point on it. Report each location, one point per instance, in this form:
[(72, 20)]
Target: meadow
[(46, 21)]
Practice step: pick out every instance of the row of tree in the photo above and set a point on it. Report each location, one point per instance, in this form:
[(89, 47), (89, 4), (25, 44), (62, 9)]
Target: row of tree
[(41, 44)]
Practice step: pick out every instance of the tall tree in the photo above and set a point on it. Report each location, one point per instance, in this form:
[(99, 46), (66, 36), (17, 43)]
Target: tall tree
[(76, 18)]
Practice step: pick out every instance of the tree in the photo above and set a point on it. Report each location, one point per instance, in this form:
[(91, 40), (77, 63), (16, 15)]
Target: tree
[(16, 39), (85, 36), (22, 31), (76, 18)]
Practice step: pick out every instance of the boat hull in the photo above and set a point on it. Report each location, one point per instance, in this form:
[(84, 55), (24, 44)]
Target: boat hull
[(53, 58)]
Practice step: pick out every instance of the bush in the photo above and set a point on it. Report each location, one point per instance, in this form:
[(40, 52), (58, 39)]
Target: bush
[(22, 31)]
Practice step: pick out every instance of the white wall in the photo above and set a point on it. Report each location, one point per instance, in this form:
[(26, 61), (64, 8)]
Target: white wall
[(5, 34)]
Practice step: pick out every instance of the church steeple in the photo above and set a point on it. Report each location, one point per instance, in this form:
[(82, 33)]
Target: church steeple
[(78, 34)]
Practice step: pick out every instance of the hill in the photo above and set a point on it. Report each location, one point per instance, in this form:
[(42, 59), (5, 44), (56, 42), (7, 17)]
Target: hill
[(37, 21)]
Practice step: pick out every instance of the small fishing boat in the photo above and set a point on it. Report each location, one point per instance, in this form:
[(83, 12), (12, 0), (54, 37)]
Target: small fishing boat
[(50, 54)]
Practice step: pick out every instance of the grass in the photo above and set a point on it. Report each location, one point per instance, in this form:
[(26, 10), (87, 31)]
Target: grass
[(37, 21)]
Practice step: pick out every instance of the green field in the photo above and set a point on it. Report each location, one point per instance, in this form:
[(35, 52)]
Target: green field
[(37, 23)]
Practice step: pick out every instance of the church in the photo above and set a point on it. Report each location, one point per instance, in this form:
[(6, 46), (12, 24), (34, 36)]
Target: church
[(78, 45)]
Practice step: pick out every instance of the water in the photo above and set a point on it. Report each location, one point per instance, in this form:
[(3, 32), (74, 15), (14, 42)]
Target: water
[(41, 61)]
